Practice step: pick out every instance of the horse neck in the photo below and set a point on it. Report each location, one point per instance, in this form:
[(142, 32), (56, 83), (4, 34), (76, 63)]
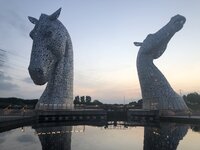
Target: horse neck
[(149, 75), (61, 80)]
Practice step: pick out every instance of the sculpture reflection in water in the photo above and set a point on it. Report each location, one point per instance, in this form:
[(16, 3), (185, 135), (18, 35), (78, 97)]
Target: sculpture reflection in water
[(55, 138), (166, 137)]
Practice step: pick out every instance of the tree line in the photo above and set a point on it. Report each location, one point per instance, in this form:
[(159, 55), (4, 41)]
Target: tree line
[(86, 100), (17, 103), (192, 100)]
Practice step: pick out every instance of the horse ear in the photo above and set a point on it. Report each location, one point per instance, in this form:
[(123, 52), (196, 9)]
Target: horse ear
[(55, 15), (137, 43), (32, 20)]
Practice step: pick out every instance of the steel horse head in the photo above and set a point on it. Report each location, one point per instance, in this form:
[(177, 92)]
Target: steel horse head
[(52, 59)]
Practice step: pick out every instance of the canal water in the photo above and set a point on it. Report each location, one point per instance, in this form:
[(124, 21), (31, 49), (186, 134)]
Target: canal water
[(120, 136)]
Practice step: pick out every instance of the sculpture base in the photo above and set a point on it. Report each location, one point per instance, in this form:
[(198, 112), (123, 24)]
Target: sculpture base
[(44, 106), (173, 112)]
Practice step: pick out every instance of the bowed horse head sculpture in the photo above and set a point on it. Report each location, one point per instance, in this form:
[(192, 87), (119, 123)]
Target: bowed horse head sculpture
[(52, 59), (155, 44), (156, 91)]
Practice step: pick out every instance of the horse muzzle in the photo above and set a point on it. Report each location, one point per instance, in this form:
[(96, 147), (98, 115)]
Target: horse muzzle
[(37, 75)]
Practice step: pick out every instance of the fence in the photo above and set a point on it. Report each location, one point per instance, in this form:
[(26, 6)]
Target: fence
[(43, 106), (13, 113)]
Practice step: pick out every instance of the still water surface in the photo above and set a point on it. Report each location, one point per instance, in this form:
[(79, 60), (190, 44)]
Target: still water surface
[(166, 136)]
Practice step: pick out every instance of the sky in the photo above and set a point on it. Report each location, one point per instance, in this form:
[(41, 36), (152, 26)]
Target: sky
[(102, 34)]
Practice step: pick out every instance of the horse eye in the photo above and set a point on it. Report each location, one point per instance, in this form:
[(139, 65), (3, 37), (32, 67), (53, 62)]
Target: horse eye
[(32, 34), (48, 34)]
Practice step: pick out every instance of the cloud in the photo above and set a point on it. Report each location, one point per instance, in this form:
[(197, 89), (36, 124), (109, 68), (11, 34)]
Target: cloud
[(14, 20), (4, 77), (6, 86), (28, 80), (6, 83), (3, 58)]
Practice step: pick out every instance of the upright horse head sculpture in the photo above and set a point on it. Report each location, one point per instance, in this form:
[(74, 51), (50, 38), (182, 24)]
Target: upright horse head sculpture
[(52, 59), (156, 91)]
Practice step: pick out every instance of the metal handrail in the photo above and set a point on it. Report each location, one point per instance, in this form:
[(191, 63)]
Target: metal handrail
[(44, 106)]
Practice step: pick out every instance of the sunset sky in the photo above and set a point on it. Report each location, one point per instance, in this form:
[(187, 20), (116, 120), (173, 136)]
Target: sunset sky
[(102, 32)]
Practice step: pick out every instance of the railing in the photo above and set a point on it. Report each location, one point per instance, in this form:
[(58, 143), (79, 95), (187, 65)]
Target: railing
[(43, 106), (69, 129), (16, 112)]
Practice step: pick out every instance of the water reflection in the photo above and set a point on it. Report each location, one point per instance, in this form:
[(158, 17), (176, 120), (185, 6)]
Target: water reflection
[(55, 138), (166, 137), (195, 128), (120, 135)]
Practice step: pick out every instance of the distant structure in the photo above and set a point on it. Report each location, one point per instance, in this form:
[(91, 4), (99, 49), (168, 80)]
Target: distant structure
[(156, 91), (52, 61)]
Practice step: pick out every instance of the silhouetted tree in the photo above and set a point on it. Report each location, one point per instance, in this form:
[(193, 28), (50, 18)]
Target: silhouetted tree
[(185, 98), (88, 99), (17, 103), (82, 99), (193, 101), (97, 102), (138, 104), (76, 100), (193, 98), (133, 103)]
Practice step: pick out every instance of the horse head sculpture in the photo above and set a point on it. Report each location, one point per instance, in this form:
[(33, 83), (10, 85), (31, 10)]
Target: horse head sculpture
[(156, 91), (155, 44), (52, 59)]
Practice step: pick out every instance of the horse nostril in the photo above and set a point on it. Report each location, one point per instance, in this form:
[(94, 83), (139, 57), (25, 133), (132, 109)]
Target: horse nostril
[(35, 71), (39, 71)]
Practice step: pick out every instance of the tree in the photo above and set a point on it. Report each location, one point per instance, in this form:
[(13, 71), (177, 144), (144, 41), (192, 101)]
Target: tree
[(185, 98), (193, 98), (193, 101), (133, 103), (76, 100), (82, 99), (137, 105), (97, 102), (88, 99)]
